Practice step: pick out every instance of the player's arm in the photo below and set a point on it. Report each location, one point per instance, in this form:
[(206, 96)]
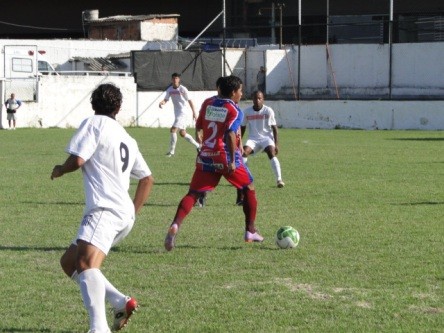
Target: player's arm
[(193, 109), (231, 143), (162, 103), (71, 164), (142, 192)]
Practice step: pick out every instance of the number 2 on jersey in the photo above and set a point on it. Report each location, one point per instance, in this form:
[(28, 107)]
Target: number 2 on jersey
[(211, 142)]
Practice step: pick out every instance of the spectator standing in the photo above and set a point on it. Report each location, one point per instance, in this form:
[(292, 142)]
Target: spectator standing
[(12, 104), (261, 79)]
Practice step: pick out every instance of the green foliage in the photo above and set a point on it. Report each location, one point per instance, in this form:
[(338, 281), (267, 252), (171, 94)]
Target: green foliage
[(367, 204)]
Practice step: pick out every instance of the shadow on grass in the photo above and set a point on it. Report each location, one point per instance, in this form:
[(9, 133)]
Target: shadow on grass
[(31, 330), (187, 184), (82, 204), (160, 248), (32, 248), (53, 203), (419, 203), (417, 139)]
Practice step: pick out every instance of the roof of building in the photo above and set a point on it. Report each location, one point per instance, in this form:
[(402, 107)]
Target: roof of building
[(128, 18)]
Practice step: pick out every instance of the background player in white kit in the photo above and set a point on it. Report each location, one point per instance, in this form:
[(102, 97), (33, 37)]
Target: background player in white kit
[(262, 135), (179, 95), (108, 157)]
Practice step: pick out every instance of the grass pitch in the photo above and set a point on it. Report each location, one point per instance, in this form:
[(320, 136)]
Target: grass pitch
[(367, 204)]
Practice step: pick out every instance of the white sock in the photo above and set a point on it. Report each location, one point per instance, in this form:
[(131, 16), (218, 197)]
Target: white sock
[(173, 141), (190, 139), (92, 287), (112, 295), (276, 167)]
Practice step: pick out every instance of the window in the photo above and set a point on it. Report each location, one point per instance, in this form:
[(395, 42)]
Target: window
[(22, 65)]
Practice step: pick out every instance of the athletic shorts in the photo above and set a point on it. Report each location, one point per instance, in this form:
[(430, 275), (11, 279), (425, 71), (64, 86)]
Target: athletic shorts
[(104, 228), (209, 171), (11, 116), (181, 122), (258, 146)]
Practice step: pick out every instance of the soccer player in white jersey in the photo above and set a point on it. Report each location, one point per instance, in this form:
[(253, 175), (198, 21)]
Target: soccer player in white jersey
[(180, 96), (262, 135), (108, 157)]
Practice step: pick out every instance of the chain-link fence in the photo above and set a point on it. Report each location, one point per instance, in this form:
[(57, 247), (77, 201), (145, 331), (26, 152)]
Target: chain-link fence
[(25, 89)]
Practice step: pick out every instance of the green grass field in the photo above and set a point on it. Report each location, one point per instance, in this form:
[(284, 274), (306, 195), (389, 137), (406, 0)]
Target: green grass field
[(369, 206)]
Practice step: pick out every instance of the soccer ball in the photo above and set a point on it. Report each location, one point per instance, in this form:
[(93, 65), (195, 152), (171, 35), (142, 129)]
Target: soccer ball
[(287, 237)]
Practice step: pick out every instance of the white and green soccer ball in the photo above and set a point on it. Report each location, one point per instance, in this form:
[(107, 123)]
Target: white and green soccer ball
[(287, 237)]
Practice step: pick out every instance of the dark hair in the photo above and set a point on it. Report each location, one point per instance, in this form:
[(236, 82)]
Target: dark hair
[(256, 92), (218, 81), (175, 75), (228, 84), (106, 99)]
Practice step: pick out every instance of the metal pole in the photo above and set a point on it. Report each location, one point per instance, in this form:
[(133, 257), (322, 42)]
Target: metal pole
[(273, 24), (224, 36), (280, 25), (205, 29), (390, 48), (327, 37), (299, 47)]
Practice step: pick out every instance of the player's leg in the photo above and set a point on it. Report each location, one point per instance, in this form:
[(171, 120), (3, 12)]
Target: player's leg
[(241, 178), (173, 141), (275, 165), (183, 133), (99, 230), (68, 263), (248, 149), (201, 182), (92, 285)]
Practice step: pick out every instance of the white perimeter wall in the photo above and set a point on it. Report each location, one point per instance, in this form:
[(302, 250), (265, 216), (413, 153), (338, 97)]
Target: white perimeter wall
[(64, 102)]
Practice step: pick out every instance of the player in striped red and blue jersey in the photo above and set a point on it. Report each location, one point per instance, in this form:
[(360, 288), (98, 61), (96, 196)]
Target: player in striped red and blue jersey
[(219, 122)]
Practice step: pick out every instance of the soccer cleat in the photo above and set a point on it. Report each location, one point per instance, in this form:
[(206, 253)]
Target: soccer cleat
[(170, 239), (94, 331), (280, 184), (252, 237), (122, 316), (169, 154)]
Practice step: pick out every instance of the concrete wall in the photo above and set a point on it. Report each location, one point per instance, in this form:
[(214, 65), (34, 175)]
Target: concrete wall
[(352, 71), (64, 102)]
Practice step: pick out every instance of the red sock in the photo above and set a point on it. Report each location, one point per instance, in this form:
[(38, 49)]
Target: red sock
[(184, 208), (250, 208)]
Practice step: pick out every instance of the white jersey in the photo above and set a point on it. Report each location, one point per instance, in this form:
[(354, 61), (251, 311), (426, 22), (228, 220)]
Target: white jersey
[(111, 157), (259, 122), (180, 97)]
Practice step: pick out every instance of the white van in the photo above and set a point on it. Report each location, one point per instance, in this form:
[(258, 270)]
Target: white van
[(25, 61)]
